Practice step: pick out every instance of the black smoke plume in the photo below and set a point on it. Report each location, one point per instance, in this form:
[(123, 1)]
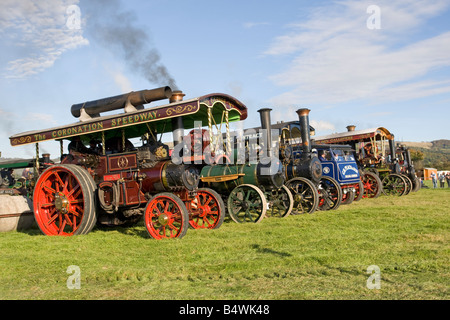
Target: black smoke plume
[(112, 27)]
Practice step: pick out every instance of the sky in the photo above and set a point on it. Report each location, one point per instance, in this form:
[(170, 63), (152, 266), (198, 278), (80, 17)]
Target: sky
[(365, 63)]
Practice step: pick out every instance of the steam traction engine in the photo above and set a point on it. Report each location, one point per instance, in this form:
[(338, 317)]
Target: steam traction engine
[(311, 189), (251, 180), (250, 188), (338, 162), (407, 167), (113, 182), (375, 153), (302, 171)]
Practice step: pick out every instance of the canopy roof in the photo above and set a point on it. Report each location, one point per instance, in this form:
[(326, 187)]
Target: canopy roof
[(356, 136), (137, 123)]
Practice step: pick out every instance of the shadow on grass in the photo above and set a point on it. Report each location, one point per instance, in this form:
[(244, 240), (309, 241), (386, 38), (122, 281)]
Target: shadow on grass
[(258, 248)]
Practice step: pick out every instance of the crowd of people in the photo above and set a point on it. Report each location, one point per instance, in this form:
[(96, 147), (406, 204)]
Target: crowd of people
[(442, 178)]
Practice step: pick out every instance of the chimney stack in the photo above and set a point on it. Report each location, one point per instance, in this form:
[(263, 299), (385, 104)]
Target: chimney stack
[(303, 116), (267, 126)]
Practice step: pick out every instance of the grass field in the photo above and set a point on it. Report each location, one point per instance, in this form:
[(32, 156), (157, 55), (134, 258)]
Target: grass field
[(320, 256)]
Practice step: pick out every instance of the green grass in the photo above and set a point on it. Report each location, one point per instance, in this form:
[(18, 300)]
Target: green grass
[(320, 256)]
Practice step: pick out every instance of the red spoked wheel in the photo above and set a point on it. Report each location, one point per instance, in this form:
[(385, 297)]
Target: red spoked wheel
[(166, 216), (206, 210), (64, 201), (372, 185)]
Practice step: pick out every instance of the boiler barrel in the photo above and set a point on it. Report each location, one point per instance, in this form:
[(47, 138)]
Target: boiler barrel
[(167, 176), (136, 98), (256, 174), (310, 168)]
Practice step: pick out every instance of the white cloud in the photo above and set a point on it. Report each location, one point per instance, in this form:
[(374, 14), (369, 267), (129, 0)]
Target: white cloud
[(336, 58), (48, 119), (322, 125), (120, 79), (39, 30)]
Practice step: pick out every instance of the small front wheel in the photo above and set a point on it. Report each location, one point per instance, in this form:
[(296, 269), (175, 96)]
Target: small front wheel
[(394, 185), (330, 194), (281, 202), (372, 185), (409, 184), (247, 203), (359, 191), (166, 216), (348, 197), (305, 195), (206, 210)]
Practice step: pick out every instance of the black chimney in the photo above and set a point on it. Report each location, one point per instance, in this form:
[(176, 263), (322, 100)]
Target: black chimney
[(303, 116), (267, 127), (393, 149)]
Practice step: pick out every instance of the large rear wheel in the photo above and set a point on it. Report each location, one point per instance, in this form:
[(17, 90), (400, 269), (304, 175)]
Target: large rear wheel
[(64, 201)]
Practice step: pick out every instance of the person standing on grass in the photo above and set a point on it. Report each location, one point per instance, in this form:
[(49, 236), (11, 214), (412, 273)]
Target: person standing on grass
[(434, 179), (447, 176), (442, 180)]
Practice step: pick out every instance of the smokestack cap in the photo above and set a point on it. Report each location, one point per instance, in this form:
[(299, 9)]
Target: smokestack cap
[(303, 112), (176, 96), (264, 110)]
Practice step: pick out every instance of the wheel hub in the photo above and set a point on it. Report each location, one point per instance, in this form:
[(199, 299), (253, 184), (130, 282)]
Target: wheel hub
[(298, 197), (61, 203), (163, 219), (204, 211)]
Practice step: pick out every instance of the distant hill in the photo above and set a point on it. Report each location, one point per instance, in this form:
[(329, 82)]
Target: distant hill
[(441, 144), (436, 144), (422, 145), (436, 154)]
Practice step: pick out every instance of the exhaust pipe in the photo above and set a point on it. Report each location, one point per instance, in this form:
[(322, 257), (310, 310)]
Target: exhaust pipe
[(303, 116), (131, 101), (393, 149), (269, 165), (267, 127), (395, 166)]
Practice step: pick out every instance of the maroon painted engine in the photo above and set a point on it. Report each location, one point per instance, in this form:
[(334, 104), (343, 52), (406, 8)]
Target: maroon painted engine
[(127, 181)]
